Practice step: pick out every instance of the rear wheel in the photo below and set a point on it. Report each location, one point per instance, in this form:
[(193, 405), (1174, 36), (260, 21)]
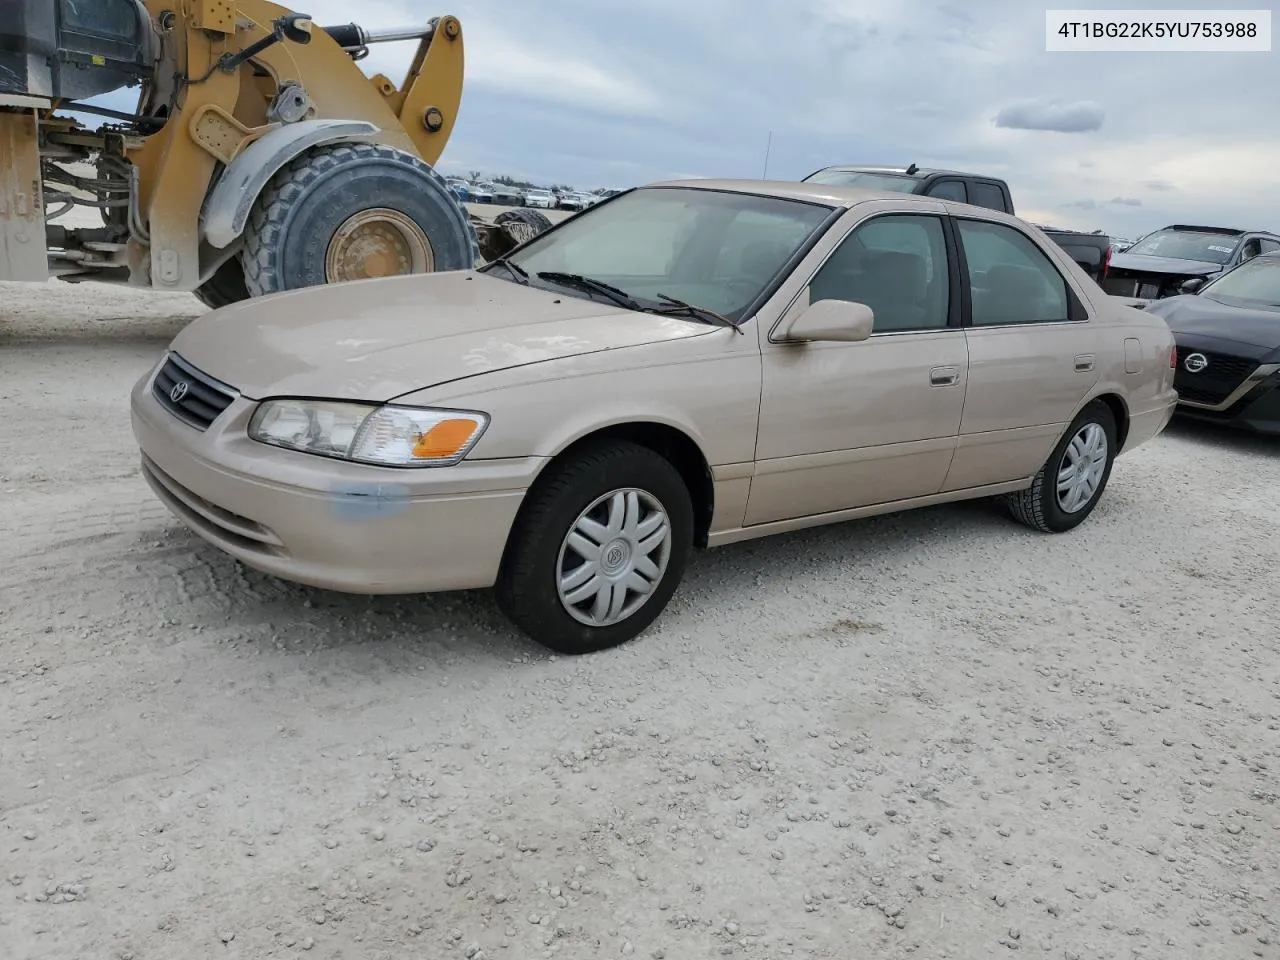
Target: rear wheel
[(1071, 482), (226, 286), (598, 549), (522, 224), (354, 212)]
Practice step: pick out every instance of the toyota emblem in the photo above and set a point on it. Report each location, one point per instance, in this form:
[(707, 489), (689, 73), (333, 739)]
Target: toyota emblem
[(180, 390), (1195, 362)]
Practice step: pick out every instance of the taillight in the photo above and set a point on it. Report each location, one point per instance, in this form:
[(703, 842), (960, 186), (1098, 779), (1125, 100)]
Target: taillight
[(1106, 262), (1173, 358)]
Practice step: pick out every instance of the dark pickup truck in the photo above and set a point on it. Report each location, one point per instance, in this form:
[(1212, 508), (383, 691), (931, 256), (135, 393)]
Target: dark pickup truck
[(1091, 250)]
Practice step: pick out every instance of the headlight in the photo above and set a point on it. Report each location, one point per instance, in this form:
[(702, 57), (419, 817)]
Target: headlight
[(385, 435)]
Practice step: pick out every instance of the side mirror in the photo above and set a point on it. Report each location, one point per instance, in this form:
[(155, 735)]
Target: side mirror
[(832, 320), (1191, 286)]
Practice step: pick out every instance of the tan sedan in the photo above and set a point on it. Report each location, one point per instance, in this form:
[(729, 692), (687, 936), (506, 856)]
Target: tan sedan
[(684, 365)]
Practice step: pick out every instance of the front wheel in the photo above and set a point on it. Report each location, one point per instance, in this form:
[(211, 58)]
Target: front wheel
[(1071, 482), (598, 549), (352, 212)]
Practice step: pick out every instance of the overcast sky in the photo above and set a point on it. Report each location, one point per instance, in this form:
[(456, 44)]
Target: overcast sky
[(617, 94)]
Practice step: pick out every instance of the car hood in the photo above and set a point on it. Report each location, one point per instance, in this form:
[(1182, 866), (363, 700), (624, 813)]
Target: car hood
[(1203, 317), (1142, 263), (378, 339)]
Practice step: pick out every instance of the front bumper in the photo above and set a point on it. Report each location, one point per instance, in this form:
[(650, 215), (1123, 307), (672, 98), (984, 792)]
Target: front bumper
[(327, 523), (1257, 411)]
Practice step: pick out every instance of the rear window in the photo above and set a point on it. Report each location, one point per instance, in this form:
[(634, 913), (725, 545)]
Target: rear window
[(986, 195), (1187, 245)]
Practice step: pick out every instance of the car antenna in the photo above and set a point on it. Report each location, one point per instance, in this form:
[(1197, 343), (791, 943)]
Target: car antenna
[(912, 169)]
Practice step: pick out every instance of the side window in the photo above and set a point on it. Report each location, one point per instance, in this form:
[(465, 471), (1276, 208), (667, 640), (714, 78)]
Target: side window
[(949, 190), (1269, 246), (1011, 278), (983, 194), (896, 265)]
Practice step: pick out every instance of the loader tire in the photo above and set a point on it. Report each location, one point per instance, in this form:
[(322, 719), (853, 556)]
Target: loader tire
[(536, 221), (226, 286), (512, 228), (351, 212)]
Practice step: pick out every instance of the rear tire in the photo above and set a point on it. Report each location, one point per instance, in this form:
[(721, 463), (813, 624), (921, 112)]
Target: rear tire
[(1069, 485), (622, 498), (350, 212), (522, 225), (225, 287)]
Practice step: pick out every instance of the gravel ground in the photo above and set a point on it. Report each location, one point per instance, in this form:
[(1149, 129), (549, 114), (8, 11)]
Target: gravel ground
[(929, 735)]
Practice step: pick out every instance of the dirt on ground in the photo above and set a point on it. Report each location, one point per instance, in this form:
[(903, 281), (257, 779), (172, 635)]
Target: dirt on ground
[(935, 734)]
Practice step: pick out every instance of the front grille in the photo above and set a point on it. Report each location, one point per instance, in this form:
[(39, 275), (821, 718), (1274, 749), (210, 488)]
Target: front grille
[(1120, 286), (1216, 381), (193, 397)]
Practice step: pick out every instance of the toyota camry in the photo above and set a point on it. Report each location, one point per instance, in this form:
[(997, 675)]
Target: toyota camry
[(684, 365)]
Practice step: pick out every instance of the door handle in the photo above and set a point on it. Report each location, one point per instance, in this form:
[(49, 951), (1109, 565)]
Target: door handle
[(944, 376), (1084, 363)]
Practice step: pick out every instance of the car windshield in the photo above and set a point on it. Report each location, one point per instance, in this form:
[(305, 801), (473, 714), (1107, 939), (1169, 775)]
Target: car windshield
[(716, 249), (1256, 281), (867, 181), (1187, 245)]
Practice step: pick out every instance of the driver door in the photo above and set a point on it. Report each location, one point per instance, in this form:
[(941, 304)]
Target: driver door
[(847, 425)]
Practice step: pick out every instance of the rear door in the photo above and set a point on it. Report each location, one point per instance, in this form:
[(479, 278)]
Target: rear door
[(1032, 355)]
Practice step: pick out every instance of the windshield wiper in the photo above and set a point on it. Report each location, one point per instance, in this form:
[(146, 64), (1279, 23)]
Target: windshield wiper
[(517, 271), (698, 313), (620, 297)]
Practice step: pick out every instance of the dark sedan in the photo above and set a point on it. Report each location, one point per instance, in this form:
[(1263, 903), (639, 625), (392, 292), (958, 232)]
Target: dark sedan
[(1157, 265), (1228, 339)]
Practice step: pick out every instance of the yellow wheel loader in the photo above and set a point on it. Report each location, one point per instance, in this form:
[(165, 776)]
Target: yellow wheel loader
[(259, 158)]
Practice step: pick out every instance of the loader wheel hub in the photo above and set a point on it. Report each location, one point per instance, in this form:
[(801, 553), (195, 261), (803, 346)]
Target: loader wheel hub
[(377, 243)]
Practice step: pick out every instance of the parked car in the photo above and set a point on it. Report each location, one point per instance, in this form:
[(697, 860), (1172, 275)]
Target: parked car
[(461, 188), (508, 195), (568, 201), (481, 193), (539, 198), (1228, 336), (695, 363), (1092, 251), (1159, 263)]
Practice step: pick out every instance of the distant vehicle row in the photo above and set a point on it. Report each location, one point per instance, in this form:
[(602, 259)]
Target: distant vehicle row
[(484, 191)]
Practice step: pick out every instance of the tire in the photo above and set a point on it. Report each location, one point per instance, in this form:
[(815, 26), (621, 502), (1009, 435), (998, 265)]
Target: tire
[(1041, 506), (304, 218), (538, 550), (525, 224), (226, 286)]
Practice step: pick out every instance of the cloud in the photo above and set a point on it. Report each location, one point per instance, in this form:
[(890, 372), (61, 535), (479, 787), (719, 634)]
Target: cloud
[(1077, 117), (1126, 201), (556, 92)]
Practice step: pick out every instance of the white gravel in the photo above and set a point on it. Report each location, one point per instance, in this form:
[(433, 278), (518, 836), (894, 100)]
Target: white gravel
[(929, 735)]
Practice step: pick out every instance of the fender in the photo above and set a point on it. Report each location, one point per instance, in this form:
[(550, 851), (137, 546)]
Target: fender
[(226, 209)]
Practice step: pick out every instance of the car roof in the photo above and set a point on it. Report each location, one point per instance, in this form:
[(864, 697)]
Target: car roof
[(919, 172), (798, 190)]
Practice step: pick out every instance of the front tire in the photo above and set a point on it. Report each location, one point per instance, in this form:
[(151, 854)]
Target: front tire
[(598, 549), (1069, 485), (351, 212)]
